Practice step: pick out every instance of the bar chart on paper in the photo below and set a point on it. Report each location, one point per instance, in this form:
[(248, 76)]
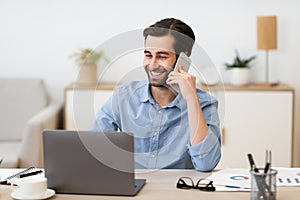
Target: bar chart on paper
[(288, 176)]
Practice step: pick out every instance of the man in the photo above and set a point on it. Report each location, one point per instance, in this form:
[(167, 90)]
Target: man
[(171, 129)]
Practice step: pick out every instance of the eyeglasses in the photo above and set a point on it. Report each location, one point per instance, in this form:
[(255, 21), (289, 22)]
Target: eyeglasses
[(202, 184)]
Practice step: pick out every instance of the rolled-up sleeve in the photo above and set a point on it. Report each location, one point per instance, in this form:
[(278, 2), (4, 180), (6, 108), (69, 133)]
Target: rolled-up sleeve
[(206, 154)]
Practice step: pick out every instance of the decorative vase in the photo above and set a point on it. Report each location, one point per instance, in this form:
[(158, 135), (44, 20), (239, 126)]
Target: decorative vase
[(87, 74), (240, 76)]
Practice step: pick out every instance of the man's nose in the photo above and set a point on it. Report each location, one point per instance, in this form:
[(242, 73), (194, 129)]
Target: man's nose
[(153, 63)]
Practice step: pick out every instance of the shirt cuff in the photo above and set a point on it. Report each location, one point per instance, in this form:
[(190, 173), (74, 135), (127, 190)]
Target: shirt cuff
[(204, 147)]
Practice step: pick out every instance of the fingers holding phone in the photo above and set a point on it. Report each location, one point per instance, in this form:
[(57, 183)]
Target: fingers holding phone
[(184, 61), (180, 80)]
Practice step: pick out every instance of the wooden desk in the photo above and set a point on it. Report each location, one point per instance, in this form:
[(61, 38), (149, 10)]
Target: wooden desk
[(161, 184)]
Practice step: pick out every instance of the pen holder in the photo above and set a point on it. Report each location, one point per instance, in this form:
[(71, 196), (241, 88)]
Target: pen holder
[(263, 185)]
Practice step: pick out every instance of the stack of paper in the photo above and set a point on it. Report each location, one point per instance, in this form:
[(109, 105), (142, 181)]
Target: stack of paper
[(231, 179), (235, 179)]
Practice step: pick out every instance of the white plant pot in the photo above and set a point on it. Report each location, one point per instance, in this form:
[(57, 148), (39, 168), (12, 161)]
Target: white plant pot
[(87, 74), (239, 76)]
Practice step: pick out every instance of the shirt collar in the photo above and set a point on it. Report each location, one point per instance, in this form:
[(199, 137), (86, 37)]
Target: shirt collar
[(145, 93), (146, 96)]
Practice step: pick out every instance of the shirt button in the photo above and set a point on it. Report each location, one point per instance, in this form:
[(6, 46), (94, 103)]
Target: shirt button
[(155, 133), (152, 155), (159, 112)]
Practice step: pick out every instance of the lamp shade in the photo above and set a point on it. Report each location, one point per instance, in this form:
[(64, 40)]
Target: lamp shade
[(266, 32)]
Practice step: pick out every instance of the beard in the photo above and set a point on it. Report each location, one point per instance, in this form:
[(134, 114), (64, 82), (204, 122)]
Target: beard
[(158, 76)]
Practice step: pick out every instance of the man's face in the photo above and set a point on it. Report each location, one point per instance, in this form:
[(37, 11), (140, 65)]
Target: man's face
[(159, 59)]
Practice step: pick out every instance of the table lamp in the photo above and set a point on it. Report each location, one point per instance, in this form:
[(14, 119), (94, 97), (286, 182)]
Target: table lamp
[(267, 38)]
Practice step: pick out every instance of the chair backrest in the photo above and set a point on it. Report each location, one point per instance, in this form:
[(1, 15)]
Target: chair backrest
[(20, 99)]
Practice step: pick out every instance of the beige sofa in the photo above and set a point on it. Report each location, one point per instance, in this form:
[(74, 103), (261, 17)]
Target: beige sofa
[(26, 110)]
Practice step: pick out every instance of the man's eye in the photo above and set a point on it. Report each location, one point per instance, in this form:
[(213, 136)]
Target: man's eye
[(148, 55), (162, 57)]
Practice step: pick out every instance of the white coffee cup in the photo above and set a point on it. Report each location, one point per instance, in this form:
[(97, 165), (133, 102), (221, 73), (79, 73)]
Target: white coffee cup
[(30, 187)]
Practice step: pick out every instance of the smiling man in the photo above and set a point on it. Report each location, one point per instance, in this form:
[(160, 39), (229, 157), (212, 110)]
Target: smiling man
[(171, 129)]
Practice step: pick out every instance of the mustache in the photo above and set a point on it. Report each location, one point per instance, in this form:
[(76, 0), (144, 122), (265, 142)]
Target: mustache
[(160, 69)]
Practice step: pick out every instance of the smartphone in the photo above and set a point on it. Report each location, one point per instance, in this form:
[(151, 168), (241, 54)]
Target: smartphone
[(184, 61)]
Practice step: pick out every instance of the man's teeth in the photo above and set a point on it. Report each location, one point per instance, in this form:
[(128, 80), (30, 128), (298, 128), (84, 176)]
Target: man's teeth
[(156, 73)]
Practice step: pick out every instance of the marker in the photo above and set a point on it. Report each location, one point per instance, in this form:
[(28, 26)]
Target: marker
[(268, 161), (267, 167), (252, 164)]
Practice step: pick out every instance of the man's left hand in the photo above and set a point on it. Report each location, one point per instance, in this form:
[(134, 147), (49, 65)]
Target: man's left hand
[(185, 81)]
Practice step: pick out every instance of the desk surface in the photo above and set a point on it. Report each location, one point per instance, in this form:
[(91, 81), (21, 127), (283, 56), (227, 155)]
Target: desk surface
[(161, 184)]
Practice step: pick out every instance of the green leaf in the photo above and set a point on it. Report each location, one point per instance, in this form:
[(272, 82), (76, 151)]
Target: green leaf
[(88, 56), (239, 62)]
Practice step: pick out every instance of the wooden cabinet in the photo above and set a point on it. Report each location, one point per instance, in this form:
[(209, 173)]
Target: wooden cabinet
[(257, 119), (82, 103)]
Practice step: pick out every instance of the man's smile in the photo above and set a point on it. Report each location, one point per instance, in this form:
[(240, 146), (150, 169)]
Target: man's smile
[(157, 74)]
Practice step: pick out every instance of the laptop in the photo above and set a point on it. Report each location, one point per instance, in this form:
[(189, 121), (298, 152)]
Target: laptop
[(89, 162)]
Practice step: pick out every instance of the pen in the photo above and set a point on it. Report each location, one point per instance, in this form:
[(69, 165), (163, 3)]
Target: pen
[(234, 187), (268, 161), (30, 174), (237, 187), (252, 164), (267, 167), (4, 183)]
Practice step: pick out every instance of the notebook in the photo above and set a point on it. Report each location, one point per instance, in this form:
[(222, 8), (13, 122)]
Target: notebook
[(20, 174), (87, 162)]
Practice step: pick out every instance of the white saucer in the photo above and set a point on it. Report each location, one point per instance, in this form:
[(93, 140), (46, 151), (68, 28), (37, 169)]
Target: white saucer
[(17, 195)]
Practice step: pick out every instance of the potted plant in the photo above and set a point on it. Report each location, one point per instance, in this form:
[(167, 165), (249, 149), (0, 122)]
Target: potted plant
[(239, 70), (87, 60)]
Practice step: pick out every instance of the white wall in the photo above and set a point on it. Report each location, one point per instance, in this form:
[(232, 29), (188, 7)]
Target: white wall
[(37, 37)]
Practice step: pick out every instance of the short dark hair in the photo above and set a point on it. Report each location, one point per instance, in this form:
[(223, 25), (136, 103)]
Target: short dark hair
[(182, 33)]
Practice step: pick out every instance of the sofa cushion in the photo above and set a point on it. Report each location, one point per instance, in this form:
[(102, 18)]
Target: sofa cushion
[(21, 98)]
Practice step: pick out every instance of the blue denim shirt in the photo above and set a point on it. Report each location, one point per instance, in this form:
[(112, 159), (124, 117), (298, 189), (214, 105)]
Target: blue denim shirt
[(162, 138)]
